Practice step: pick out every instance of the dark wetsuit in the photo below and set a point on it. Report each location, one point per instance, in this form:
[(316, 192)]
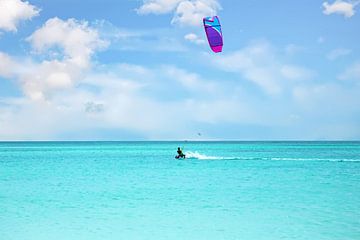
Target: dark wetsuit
[(180, 153)]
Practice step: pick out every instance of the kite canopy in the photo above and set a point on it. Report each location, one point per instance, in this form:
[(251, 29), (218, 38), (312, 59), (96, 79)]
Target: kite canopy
[(213, 32)]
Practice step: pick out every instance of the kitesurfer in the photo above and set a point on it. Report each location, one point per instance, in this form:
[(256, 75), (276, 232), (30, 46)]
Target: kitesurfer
[(180, 153)]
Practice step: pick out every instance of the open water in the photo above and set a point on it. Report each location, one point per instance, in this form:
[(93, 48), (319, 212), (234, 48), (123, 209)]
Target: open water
[(137, 190)]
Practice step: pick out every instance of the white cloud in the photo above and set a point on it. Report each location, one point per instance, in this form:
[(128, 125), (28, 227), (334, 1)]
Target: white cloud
[(345, 8), (192, 12), (186, 12), (14, 11), (75, 43), (191, 81), (76, 39), (192, 37), (158, 6), (339, 52), (253, 65), (260, 64), (40, 80)]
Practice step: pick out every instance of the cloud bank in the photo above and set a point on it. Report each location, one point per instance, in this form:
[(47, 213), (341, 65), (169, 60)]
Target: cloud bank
[(147, 102)]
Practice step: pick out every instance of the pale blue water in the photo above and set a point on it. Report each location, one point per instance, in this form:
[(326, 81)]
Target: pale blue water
[(137, 190)]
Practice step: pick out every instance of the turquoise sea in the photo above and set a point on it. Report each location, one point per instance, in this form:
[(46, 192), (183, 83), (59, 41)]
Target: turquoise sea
[(137, 190)]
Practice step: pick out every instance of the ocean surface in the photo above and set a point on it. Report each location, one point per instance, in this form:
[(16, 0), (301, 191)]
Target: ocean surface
[(137, 190)]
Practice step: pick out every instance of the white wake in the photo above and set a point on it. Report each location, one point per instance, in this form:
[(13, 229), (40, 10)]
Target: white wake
[(197, 155)]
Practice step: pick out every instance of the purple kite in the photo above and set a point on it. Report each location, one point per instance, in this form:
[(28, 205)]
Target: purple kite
[(213, 33)]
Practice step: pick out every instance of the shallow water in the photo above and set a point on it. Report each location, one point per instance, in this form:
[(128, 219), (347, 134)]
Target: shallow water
[(137, 190)]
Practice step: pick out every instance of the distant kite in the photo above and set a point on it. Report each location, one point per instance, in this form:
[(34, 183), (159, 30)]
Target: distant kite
[(213, 32)]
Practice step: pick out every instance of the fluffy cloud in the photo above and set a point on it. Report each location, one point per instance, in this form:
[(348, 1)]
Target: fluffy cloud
[(340, 7), (186, 12), (260, 64), (158, 6), (40, 80), (192, 12), (75, 38), (192, 37), (14, 11), (75, 42)]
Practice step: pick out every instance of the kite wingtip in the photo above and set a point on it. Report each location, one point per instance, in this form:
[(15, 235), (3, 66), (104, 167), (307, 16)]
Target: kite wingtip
[(217, 49)]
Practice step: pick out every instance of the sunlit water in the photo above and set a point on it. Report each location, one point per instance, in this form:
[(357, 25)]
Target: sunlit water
[(137, 190)]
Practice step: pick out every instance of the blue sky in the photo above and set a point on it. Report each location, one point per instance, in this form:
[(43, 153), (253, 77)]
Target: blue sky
[(142, 70)]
